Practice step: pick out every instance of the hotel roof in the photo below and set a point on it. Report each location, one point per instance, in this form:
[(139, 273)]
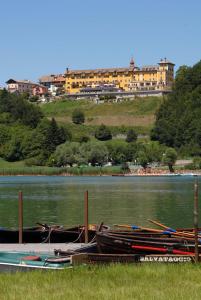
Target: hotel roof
[(104, 70)]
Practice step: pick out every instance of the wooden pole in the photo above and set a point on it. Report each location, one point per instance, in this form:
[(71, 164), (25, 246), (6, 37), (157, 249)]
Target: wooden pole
[(196, 218), (20, 217), (86, 216)]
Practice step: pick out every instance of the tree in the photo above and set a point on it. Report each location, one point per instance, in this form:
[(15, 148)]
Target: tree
[(117, 151), (154, 151), (98, 155), (143, 159), (51, 135), (5, 134), (103, 133), (12, 150), (65, 154), (178, 118), (34, 99), (169, 158), (20, 109), (78, 116), (131, 136)]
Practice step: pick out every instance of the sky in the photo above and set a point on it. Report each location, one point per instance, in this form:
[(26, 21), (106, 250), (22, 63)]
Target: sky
[(43, 37)]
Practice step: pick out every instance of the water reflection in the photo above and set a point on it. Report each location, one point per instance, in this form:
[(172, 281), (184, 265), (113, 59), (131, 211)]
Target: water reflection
[(113, 200)]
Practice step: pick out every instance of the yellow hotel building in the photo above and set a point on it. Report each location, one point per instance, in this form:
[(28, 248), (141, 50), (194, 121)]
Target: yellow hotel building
[(155, 77)]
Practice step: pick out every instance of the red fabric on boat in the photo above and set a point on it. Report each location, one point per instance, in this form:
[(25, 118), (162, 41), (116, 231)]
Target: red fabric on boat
[(163, 250), (32, 257)]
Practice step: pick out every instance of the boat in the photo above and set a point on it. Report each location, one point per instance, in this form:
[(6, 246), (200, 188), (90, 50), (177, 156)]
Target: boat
[(26, 261), (49, 234), (114, 243), (102, 258)]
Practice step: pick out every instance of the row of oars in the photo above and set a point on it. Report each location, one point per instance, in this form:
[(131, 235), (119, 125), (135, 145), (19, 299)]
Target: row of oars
[(166, 230)]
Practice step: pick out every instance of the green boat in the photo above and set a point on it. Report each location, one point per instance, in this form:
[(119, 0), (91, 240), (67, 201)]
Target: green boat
[(26, 261)]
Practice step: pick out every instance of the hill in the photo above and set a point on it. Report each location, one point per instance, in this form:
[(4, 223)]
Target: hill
[(138, 113)]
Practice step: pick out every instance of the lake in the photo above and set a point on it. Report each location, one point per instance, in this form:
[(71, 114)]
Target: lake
[(112, 200)]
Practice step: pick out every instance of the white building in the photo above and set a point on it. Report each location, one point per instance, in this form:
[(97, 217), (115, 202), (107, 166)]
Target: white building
[(20, 86)]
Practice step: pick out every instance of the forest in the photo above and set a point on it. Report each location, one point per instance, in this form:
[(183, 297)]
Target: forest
[(178, 120)]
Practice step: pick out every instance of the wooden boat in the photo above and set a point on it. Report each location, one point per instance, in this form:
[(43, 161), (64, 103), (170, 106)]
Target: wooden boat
[(109, 243), (100, 258), (19, 261), (49, 234)]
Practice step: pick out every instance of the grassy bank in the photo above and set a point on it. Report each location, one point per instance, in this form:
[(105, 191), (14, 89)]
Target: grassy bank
[(117, 282), (138, 113), (19, 168)]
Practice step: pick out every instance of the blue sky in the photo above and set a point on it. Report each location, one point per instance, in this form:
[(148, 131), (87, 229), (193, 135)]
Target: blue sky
[(46, 36)]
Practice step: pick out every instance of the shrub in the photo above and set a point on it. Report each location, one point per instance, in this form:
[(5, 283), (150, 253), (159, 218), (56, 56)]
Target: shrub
[(103, 133), (131, 136), (78, 116)]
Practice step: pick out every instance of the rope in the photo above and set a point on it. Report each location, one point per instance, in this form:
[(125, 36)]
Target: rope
[(48, 237), (77, 239), (79, 236)]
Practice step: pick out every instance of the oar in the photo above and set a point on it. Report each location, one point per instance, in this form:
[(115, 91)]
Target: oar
[(134, 227), (181, 234), (161, 225), (170, 229)]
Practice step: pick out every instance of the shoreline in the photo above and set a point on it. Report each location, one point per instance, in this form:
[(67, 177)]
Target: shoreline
[(153, 173)]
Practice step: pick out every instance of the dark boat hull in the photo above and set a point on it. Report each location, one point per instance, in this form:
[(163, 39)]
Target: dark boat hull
[(45, 235), (108, 243), (100, 258)]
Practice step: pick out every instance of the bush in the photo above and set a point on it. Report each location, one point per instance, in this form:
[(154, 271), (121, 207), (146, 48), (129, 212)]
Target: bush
[(125, 168), (103, 133), (197, 162), (131, 136), (78, 117)]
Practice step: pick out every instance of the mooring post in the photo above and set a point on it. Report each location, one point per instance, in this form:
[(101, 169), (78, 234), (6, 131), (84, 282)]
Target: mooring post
[(196, 218), (86, 216), (20, 219)]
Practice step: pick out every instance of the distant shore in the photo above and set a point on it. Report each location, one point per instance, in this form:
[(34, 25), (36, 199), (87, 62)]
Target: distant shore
[(138, 173), (159, 172)]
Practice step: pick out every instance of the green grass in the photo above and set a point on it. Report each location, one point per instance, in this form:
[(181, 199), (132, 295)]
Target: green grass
[(6, 164), (138, 113), (31, 171), (115, 282), (136, 107), (94, 170), (80, 130), (19, 168)]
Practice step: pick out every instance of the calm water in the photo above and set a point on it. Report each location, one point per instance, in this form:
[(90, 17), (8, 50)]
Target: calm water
[(113, 200)]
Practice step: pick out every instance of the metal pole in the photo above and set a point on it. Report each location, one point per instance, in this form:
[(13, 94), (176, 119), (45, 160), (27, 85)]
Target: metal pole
[(20, 219), (196, 218), (86, 216)]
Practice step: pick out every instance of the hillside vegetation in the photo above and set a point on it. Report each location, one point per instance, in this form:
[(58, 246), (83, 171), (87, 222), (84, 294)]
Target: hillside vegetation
[(178, 121), (139, 113), (28, 138)]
